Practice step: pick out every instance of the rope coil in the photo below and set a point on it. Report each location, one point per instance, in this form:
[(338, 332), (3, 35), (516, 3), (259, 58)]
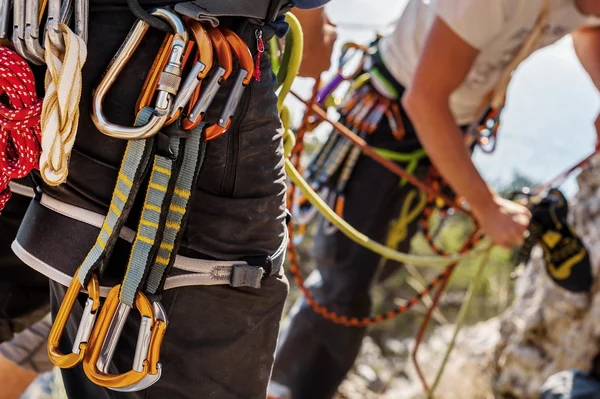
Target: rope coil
[(20, 113)]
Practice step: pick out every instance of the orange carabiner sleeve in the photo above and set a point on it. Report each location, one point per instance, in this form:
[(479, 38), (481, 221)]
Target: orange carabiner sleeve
[(242, 52), (223, 50)]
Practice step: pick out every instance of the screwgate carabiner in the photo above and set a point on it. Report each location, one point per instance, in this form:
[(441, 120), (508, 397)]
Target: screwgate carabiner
[(167, 87), (146, 369), (86, 324)]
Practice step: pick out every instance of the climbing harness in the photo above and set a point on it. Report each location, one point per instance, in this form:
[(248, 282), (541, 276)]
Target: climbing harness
[(19, 121), (173, 172)]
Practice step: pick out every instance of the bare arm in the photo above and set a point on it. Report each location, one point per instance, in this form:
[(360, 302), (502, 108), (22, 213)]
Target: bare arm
[(587, 47), (445, 62), (319, 37)]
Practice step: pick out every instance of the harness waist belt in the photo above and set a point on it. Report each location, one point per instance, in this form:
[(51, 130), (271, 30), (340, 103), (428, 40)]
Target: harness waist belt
[(43, 250), (209, 10)]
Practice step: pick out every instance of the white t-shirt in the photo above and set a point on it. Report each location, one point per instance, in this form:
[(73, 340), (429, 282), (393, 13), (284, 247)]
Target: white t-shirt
[(497, 28)]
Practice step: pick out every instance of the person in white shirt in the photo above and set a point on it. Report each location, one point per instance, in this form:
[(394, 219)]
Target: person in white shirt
[(439, 63)]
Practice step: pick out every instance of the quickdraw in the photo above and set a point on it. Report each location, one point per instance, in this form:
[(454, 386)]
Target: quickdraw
[(19, 121)]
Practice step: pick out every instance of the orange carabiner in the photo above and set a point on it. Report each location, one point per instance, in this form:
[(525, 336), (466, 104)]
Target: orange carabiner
[(243, 78), (146, 369), (203, 61), (222, 73), (81, 343)]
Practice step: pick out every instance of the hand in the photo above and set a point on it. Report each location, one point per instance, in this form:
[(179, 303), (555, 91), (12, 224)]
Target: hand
[(504, 221), (319, 38)]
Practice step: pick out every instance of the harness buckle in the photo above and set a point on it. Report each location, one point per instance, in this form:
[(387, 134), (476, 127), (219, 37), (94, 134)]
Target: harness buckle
[(242, 79), (86, 324), (146, 368), (168, 84)]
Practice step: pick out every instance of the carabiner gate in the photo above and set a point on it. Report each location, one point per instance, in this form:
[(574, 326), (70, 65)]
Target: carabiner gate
[(217, 78), (199, 70), (167, 88), (86, 324), (242, 79), (146, 369)]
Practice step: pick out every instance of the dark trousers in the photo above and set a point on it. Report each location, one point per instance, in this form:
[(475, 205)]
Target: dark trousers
[(314, 354), (23, 291)]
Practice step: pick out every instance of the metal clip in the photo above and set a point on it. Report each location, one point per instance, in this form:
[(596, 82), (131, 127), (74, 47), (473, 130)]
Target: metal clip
[(210, 90), (4, 17), (34, 49), (146, 369), (200, 69), (243, 78), (167, 88), (85, 325)]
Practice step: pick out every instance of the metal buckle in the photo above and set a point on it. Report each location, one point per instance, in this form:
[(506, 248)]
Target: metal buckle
[(146, 369), (90, 311), (167, 87), (243, 78), (213, 84)]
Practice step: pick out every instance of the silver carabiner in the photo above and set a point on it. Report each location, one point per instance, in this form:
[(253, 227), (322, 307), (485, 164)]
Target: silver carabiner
[(32, 32), (18, 35), (4, 17), (82, 12), (167, 88)]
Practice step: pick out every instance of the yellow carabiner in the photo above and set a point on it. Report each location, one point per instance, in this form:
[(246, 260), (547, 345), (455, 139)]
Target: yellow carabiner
[(168, 84), (146, 369), (81, 344)]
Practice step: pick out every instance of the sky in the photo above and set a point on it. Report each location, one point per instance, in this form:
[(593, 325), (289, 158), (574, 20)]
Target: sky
[(547, 125)]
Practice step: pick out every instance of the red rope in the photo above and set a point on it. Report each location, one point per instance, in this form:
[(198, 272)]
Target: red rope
[(20, 111)]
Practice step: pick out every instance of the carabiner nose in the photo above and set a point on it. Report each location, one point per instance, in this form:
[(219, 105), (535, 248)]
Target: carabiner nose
[(146, 368), (167, 88), (90, 311), (242, 79)]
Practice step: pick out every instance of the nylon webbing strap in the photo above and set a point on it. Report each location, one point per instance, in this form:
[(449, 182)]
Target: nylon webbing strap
[(193, 158), (131, 173), (154, 213)]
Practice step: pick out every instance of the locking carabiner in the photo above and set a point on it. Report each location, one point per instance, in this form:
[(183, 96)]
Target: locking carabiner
[(242, 79), (168, 84), (146, 368), (220, 75), (202, 65), (86, 324)]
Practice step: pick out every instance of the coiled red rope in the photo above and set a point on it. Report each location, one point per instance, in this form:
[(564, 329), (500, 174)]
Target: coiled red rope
[(20, 111)]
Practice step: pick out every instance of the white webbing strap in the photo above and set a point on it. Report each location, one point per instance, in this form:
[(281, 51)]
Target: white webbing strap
[(60, 112)]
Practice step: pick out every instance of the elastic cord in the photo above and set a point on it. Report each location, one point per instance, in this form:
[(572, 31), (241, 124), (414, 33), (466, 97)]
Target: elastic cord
[(140, 13)]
